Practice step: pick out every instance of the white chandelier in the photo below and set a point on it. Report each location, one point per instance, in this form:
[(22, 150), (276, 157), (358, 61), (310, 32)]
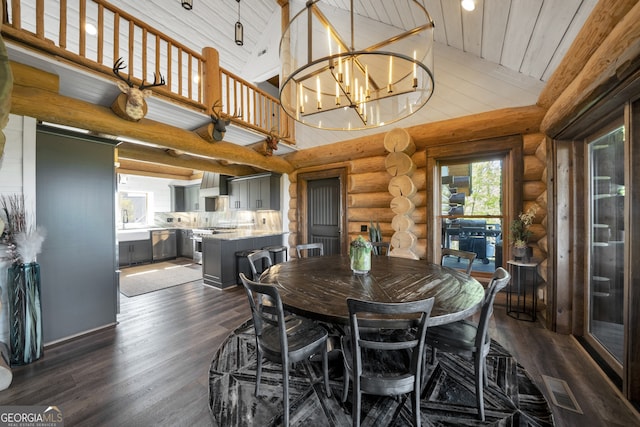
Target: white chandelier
[(344, 71)]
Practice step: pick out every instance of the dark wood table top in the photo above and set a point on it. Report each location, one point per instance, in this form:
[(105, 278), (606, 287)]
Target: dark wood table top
[(317, 287)]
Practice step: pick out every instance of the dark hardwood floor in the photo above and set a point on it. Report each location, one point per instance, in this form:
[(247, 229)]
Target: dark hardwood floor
[(152, 368)]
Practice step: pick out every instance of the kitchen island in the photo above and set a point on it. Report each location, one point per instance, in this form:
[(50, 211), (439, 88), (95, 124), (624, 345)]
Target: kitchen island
[(219, 266)]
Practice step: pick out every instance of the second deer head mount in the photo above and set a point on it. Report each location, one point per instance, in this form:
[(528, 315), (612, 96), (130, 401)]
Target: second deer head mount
[(219, 124), (135, 108), (271, 142)]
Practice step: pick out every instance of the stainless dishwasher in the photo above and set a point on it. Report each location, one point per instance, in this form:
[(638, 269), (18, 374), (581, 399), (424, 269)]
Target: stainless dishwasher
[(164, 243)]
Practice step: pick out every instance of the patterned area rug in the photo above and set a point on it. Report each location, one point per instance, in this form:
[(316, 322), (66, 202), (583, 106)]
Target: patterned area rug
[(511, 398)]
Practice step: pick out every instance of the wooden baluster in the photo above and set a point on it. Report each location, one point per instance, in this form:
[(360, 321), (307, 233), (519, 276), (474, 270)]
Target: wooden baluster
[(40, 19), (100, 34), (62, 38)]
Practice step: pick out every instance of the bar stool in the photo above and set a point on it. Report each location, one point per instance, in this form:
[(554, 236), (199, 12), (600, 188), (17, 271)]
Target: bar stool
[(242, 264), (279, 253)]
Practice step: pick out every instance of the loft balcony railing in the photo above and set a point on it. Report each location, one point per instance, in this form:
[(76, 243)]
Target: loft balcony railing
[(59, 28)]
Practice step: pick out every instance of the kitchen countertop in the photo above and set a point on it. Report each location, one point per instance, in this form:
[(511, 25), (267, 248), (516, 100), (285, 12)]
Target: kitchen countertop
[(132, 234), (242, 234)]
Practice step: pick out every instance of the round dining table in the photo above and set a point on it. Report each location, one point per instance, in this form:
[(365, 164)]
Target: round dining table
[(318, 287)]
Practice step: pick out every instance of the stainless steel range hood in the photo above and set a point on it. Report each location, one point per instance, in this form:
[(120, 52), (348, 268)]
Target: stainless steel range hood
[(213, 185)]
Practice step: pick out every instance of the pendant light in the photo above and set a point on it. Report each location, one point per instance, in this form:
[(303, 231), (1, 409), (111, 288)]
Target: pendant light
[(239, 29)]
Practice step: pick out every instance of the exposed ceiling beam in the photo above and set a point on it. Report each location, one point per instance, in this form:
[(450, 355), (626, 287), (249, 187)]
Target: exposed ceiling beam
[(135, 167), (31, 98), (127, 150)]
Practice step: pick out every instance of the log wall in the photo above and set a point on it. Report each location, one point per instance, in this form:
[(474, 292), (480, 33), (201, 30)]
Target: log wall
[(368, 196)]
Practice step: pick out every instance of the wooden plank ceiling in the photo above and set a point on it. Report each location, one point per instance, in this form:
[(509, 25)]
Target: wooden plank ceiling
[(500, 55)]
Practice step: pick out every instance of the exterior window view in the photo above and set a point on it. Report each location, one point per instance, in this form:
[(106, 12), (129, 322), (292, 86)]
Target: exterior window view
[(319, 213), (472, 213)]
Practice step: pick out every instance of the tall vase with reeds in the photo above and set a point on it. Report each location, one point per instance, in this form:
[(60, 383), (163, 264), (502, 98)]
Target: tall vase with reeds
[(21, 245)]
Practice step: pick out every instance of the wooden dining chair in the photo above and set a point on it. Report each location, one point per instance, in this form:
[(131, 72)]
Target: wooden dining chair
[(257, 261), (310, 249), (469, 339), (379, 246), (386, 362), (469, 256), (285, 340)]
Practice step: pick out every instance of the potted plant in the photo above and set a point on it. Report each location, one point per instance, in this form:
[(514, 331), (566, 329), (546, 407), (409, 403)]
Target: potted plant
[(520, 233), (19, 245)]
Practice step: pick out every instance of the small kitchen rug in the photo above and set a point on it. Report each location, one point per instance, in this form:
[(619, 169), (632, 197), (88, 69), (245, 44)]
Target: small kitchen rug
[(147, 278)]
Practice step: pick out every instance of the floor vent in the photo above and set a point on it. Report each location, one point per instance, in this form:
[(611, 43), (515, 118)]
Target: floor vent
[(561, 394)]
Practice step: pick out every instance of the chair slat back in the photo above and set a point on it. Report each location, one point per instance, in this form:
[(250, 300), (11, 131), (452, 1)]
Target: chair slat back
[(259, 258), (469, 256), (411, 338), (257, 293), (500, 279), (379, 246), (310, 249)]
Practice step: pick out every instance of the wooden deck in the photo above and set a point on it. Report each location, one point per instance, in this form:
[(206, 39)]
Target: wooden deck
[(153, 368)]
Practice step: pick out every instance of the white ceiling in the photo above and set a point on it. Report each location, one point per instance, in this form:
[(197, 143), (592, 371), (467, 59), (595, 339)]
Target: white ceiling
[(497, 56)]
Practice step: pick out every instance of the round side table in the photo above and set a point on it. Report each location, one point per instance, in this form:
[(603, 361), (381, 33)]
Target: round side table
[(524, 275)]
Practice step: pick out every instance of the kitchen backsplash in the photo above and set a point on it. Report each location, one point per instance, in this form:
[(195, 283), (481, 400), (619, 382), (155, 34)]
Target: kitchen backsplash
[(256, 220)]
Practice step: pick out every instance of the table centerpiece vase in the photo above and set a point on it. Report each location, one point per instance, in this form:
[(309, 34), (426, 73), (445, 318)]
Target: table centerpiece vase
[(360, 255)]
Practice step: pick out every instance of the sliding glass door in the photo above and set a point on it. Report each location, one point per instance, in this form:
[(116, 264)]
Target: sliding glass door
[(606, 264)]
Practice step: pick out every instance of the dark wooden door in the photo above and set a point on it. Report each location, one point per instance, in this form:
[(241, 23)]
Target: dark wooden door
[(323, 218)]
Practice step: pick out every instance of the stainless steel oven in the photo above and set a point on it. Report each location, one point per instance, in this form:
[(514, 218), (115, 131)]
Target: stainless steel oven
[(197, 248)]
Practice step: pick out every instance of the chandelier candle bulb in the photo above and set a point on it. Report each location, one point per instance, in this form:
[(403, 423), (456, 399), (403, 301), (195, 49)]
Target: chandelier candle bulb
[(301, 98), (347, 81), (355, 89), (415, 76), (366, 78), (337, 94), (318, 92)]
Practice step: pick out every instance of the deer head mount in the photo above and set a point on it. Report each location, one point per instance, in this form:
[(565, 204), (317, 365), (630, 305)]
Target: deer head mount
[(219, 124), (135, 106), (271, 143)]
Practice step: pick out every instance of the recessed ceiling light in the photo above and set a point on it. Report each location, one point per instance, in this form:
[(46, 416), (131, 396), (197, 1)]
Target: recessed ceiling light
[(90, 29), (468, 5)]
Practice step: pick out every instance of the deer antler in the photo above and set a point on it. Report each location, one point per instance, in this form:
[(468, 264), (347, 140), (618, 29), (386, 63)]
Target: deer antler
[(117, 67), (215, 116), (155, 82)]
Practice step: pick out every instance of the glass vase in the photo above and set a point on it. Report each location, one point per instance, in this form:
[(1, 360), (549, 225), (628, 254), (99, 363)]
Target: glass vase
[(360, 259), (25, 313)]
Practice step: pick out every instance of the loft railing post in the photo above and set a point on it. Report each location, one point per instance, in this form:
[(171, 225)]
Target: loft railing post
[(211, 77)]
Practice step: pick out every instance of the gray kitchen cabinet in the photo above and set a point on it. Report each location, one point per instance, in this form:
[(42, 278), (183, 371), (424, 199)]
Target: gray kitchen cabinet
[(255, 192), (134, 252), (191, 198), (185, 198), (239, 194), (164, 244), (185, 243), (219, 268)]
